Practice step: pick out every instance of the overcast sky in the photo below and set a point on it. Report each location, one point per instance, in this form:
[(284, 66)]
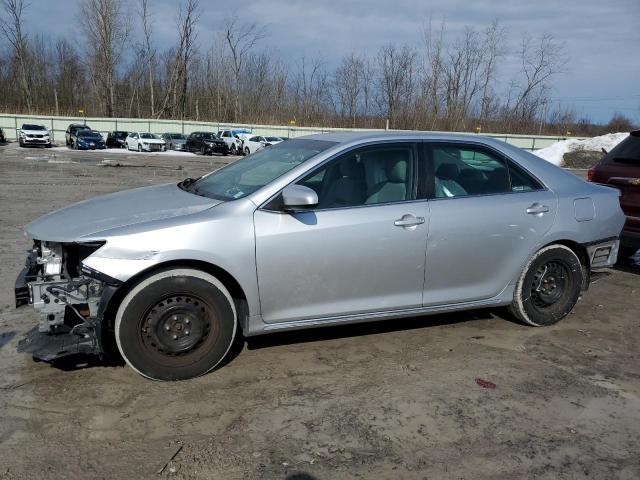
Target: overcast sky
[(601, 37)]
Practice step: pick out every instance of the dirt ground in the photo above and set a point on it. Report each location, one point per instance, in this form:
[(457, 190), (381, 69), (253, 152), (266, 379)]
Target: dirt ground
[(397, 399)]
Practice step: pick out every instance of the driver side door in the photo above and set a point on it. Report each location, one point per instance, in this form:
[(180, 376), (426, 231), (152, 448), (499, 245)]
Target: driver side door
[(362, 250)]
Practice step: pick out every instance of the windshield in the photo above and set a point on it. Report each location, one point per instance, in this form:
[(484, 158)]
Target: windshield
[(236, 132), (33, 127), (88, 133), (120, 134), (149, 135), (273, 139), (177, 136), (209, 136), (251, 173)]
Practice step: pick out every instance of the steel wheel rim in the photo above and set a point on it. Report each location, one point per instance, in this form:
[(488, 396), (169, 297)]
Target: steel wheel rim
[(550, 284), (177, 326)]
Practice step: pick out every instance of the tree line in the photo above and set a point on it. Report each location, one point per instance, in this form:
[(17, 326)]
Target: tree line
[(114, 68)]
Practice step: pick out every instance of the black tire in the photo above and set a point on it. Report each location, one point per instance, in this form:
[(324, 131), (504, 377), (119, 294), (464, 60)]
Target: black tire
[(203, 150), (225, 152), (21, 143), (549, 287), (234, 150), (140, 148), (175, 324), (247, 151)]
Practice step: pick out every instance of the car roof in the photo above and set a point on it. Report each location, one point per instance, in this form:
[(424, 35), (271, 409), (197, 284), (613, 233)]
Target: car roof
[(359, 136)]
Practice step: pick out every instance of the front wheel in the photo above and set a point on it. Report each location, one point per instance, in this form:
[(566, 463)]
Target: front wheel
[(549, 286), (234, 150), (176, 324), (247, 151), (139, 148)]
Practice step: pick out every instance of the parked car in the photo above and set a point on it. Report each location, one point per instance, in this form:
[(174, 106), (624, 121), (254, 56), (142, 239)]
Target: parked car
[(620, 168), (30, 134), (69, 135), (88, 140), (116, 139), (256, 143), (320, 230), (175, 141), (234, 138), (144, 141), (3, 139), (206, 143)]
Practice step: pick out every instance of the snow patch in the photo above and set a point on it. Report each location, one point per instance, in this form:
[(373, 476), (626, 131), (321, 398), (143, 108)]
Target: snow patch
[(555, 153)]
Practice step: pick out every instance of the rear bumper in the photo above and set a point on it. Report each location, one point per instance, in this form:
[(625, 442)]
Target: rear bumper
[(603, 253)]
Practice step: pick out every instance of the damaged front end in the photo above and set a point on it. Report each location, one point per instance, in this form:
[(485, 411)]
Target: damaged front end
[(70, 298)]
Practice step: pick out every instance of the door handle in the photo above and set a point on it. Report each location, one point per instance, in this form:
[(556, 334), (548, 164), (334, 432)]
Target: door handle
[(537, 208), (409, 221)]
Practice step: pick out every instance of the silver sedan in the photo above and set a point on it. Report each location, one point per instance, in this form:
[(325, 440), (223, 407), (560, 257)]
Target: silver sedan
[(321, 230)]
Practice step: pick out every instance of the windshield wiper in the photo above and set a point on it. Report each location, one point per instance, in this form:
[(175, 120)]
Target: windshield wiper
[(188, 185)]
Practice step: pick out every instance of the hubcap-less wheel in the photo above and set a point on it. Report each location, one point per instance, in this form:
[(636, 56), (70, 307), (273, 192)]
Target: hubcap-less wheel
[(549, 286), (175, 324)]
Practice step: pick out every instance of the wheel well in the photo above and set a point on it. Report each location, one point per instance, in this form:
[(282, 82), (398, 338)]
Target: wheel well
[(230, 283), (581, 253)]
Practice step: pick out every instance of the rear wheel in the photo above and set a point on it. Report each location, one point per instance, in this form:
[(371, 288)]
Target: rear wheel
[(139, 148), (549, 286), (234, 150), (247, 151), (176, 324), (203, 151)]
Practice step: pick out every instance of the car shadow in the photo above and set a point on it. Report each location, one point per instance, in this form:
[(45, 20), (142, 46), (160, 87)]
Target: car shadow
[(629, 262), (5, 338)]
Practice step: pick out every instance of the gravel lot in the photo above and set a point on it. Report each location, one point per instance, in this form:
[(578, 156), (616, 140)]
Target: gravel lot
[(394, 399)]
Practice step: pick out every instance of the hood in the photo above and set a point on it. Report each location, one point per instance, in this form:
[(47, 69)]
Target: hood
[(150, 140), (35, 132), (120, 209)]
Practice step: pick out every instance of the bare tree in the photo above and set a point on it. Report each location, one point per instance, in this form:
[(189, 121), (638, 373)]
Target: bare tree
[(241, 39), (492, 51), (12, 29), (395, 80), (539, 63), (107, 29), (176, 92), (149, 52), (349, 84)]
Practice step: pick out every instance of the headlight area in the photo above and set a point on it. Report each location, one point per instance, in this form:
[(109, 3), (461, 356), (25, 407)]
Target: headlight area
[(70, 299)]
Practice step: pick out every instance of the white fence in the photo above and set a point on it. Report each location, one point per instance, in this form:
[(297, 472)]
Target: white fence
[(58, 125)]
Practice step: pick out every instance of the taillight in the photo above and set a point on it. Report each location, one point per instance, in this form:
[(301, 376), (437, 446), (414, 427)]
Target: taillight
[(590, 174)]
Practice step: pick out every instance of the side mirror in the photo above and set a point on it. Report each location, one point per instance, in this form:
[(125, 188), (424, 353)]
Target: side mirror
[(298, 197)]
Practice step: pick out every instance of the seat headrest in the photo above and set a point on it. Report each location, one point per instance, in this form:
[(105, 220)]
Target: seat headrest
[(351, 168), (396, 170), (448, 171), (473, 175)]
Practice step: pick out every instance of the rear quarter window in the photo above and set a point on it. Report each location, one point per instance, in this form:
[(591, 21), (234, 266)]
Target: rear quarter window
[(626, 152)]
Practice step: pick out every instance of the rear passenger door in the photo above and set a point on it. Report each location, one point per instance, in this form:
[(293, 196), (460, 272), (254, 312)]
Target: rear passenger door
[(487, 216)]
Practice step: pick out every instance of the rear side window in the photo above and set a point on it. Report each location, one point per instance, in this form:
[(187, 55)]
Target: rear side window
[(626, 152), (466, 170)]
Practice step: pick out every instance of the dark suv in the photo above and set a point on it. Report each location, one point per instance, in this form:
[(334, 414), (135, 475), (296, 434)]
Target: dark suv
[(620, 168), (206, 143), (72, 130), (116, 139)]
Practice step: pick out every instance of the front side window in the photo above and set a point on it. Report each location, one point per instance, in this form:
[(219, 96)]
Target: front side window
[(367, 176), (465, 170), (249, 174)]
